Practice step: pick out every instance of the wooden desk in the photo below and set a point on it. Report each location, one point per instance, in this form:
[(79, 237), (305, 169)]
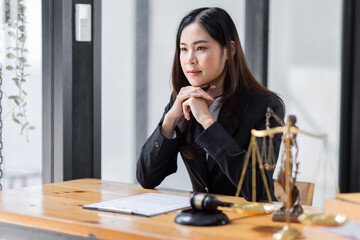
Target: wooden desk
[(348, 204), (54, 211)]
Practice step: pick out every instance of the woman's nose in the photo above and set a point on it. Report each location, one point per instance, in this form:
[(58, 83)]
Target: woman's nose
[(192, 58)]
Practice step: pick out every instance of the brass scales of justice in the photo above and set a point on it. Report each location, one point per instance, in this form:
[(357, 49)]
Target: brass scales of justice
[(291, 211)]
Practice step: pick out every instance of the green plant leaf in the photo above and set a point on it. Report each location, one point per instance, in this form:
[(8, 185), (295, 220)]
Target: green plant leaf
[(22, 28), (27, 65), (25, 93), (19, 115), (15, 79), (9, 67), (23, 80), (17, 83), (22, 59), (16, 101), (31, 128), (23, 127), (13, 97), (10, 55), (16, 120), (0, 74), (21, 39), (11, 34)]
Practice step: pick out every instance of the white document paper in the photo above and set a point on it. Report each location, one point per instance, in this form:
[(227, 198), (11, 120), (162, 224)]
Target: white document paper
[(148, 204)]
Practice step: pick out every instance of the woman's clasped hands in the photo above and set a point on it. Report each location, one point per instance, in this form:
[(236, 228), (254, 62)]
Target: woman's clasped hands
[(196, 100)]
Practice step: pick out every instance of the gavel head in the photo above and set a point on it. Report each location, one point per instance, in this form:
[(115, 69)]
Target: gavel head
[(204, 202)]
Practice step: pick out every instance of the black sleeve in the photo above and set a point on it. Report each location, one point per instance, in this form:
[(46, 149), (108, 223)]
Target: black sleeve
[(158, 157), (230, 156)]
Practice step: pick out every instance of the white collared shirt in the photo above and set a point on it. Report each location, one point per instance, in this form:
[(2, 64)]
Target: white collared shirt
[(215, 108), (214, 111)]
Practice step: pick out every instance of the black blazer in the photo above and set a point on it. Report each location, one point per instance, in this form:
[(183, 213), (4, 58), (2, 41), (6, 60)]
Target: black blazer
[(226, 141)]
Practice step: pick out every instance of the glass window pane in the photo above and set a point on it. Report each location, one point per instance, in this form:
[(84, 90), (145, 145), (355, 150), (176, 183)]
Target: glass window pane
[(20, 54)]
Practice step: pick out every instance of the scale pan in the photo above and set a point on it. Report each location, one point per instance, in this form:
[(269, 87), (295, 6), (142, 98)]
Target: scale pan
[(323, 219), (254, 208)]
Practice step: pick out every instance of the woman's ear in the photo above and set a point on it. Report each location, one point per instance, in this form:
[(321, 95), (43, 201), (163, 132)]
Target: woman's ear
[(233, 48)]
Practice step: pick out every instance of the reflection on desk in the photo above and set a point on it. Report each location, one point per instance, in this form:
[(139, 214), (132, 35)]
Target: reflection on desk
[(56, 210)]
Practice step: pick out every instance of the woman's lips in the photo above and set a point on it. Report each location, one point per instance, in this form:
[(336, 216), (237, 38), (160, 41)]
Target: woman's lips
[(194, 73)]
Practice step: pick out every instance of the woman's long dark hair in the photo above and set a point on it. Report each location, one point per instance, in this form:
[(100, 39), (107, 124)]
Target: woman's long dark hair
[(238, 77)]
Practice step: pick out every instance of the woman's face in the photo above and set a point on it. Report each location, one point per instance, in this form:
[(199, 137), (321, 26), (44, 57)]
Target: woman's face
[(202, 58)]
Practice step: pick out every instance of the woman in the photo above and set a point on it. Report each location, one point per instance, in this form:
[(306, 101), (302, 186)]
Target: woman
[(216, 101)]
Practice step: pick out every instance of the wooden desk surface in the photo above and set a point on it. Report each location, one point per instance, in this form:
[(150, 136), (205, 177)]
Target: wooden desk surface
[(58, 207), (351, 197)]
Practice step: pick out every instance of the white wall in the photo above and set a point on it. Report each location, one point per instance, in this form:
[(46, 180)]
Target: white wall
[(304, 68), (118, 72)]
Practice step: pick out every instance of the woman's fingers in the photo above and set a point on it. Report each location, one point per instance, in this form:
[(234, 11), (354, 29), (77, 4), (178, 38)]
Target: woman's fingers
[(198, 107), (186, 97), (212, 87), (186, 109), (187, 92)]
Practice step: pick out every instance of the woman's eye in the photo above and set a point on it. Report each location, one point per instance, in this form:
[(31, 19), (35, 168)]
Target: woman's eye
[(201, 48), (183, 49)]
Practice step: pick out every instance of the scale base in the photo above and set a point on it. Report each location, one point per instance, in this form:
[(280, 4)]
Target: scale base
[(288, 233), (295, 212)]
